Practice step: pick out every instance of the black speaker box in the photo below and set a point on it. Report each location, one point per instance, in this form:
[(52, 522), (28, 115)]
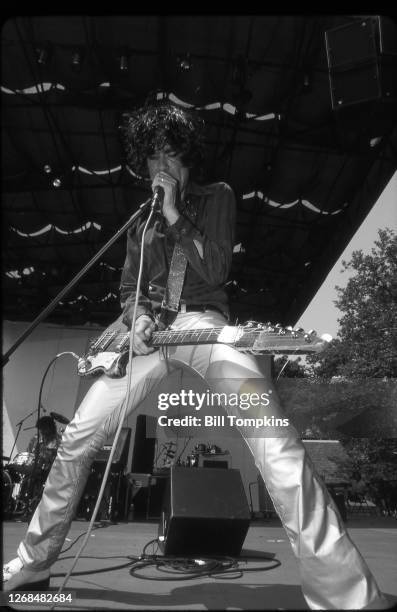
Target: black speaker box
[(362, 61), (205, 512), (365, 83), (144, 445)]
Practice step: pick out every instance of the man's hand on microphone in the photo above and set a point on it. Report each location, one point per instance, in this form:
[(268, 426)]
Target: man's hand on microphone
[(144, 327), (170, 186)]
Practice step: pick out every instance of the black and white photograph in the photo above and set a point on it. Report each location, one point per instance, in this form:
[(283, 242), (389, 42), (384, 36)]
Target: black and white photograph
[(199, 295)]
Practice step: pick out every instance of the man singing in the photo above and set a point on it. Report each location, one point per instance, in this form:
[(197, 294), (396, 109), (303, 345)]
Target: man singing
[(196, 226)]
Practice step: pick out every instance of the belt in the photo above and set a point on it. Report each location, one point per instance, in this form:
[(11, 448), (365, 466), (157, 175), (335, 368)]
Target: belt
[(199, 308), (196, 308)]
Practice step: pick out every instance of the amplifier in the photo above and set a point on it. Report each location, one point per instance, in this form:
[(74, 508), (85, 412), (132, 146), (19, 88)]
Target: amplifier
[(205, 512), (120, 456)]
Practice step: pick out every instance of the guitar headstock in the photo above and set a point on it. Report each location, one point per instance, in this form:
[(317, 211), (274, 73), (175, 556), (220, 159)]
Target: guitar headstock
[(276, 338)]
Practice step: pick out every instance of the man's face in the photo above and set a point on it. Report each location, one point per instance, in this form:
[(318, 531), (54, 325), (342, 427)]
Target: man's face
[(169, 161)]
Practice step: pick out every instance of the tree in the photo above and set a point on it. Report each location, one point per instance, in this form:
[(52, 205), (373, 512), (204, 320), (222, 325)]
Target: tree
[(365, 350), (374, 458), (292, 368), (367, 339)]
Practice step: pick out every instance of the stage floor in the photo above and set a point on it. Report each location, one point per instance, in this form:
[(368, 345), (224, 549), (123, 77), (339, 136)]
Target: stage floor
[(104, 585)]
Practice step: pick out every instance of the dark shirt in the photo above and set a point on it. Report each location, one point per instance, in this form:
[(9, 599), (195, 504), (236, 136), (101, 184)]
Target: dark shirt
[(211, 233)]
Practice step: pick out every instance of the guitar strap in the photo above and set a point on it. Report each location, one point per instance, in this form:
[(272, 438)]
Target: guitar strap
[(176, 277)]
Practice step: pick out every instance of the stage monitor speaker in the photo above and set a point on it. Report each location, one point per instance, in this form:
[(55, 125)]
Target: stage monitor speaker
[(205, 512), (119, 460), (362, 61), (144, 445)]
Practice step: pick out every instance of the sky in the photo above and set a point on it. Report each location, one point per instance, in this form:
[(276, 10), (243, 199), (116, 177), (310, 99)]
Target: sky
[(321, 314)]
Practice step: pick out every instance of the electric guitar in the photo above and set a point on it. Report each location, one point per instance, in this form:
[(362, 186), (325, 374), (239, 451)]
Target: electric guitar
[(109, 353)]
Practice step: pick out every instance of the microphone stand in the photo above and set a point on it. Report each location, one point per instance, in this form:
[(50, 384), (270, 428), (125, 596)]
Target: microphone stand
[(19, 425), (76, 278)]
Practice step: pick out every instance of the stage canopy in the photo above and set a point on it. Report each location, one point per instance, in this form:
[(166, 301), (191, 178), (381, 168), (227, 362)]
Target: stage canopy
[(301, 115)]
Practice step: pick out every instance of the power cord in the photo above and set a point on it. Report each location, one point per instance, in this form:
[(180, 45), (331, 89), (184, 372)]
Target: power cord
[(180, 567), (189, 568)]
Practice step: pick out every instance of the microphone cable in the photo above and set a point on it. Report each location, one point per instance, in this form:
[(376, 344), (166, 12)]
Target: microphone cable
[(122, 412)]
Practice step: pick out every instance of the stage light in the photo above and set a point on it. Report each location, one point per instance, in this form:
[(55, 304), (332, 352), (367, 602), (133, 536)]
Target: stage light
[(185, 62), (57, 182), (43, 54), (124, 63), (124, 57), (77, 58), (375, 141), (47, 169)]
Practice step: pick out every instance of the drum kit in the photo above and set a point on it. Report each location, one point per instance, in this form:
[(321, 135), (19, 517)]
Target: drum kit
[(24, 478)]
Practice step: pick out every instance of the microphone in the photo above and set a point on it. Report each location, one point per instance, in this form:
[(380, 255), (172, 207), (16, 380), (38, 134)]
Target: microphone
[(158, 197)]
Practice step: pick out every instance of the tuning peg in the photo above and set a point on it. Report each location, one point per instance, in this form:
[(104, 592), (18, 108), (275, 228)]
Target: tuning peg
[(310, 335), (298, 331)]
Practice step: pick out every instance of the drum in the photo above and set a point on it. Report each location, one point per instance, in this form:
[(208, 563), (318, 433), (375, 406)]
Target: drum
[(22, 463)]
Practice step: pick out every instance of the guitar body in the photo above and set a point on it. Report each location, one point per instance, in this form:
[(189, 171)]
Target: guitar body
[(112, 364), (105, 355), (109, 353)]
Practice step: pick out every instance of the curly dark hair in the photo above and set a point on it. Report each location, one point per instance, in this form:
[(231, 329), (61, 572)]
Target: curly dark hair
[(47, 426), (156, 125)]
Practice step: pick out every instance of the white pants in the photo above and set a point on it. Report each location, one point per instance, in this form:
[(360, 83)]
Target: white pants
[(333, 573)]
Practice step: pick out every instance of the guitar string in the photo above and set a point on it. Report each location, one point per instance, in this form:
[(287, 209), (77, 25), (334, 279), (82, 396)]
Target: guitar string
[(208, 331), (185, 338), (162, 337)]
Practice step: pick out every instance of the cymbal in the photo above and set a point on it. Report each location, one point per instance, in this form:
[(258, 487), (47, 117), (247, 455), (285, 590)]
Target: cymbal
[(60, 418)]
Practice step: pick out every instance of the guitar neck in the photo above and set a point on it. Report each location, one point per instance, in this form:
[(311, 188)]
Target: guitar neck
[(265, 339), (191, 336), (109, 353), (242, 338)]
